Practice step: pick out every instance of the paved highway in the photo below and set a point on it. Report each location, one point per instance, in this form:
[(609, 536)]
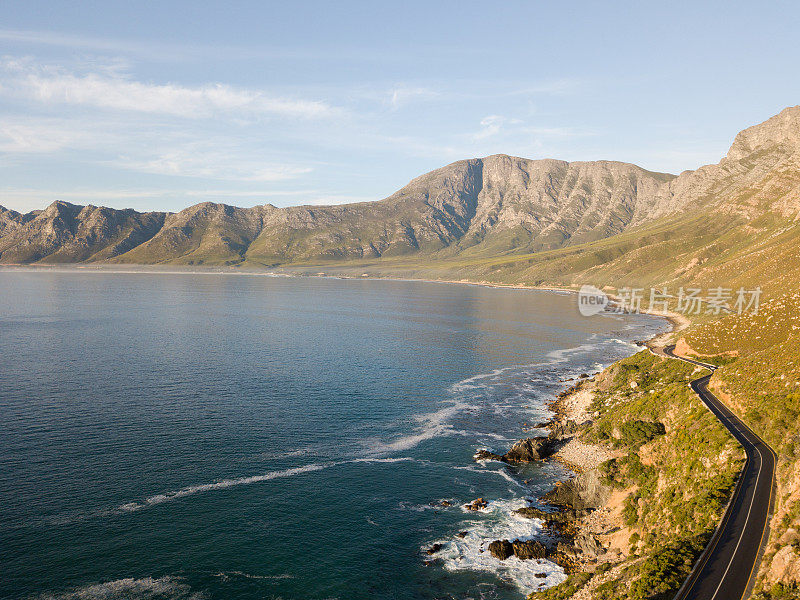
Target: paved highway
[(726, 569)]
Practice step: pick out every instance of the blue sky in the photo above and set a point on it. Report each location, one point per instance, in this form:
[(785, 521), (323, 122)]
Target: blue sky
[(165, 104)]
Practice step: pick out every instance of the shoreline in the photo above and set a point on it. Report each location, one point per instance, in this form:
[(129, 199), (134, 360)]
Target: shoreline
[(572, 405)]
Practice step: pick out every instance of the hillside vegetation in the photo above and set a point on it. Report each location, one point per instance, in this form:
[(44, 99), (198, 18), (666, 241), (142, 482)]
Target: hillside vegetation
[(673, 470), (760, 380)]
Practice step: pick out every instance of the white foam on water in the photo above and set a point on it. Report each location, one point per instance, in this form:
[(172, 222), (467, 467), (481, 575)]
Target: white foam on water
[(147, 588), (384, 460), (219, 485), (225, 575), (431, 425), (438, 423), (497, 522), (224, 484)]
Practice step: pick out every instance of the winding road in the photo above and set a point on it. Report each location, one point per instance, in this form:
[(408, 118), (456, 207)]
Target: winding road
[(726, 568)]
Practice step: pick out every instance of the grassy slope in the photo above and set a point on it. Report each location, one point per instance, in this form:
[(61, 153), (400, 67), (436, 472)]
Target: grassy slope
[(678, 481), (761, 381)]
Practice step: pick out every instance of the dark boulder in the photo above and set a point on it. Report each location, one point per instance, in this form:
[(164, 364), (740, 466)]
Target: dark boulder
[(486, 455), (434, 549), (501, 549)]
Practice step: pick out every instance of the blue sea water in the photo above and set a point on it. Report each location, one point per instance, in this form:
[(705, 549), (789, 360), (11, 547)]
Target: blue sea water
[(229, 436)]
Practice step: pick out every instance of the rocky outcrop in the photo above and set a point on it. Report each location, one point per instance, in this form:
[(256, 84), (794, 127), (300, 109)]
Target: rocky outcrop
[(522, 549), (528, 549), (585, 491), (501, 549), (562, 520), (526, 450), (477, 504), (433, 549)]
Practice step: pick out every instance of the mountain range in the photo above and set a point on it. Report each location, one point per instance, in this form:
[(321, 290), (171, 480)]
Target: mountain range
[(501, 218)]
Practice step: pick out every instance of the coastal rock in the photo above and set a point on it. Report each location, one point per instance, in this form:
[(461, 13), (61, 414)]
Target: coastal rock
[(501, 549), (589, 545), (525, 550), (484, 454), (560, 430), (462, 534), (477, 504), (525, 450), (584, 492), (531, 512), (434, 549), (560, 520), (529, 450)]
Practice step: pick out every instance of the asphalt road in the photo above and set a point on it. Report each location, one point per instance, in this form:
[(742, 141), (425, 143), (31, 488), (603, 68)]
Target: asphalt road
[(726, 569)]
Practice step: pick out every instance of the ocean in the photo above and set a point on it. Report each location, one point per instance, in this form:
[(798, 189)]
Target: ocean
[(236, 436)]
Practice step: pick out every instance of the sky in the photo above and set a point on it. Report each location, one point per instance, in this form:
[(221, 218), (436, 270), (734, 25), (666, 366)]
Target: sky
[(161, 105)]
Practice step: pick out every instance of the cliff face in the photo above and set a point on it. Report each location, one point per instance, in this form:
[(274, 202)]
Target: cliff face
[(476, 208)]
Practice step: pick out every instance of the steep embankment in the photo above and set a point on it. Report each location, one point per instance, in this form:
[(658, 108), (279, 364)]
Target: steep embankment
[(672, 466)]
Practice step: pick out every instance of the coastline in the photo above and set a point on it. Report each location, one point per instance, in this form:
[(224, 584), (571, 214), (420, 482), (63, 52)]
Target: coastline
[(571, 405)]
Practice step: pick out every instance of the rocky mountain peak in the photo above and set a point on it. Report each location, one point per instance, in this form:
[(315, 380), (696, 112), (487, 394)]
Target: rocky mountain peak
[(782, 130)]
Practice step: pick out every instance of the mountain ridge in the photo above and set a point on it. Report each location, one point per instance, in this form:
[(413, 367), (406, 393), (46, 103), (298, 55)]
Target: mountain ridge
[(477, 208)]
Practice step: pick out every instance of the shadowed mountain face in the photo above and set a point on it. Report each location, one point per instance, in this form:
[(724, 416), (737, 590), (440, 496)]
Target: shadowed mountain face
[(471, 210), (65, 233)]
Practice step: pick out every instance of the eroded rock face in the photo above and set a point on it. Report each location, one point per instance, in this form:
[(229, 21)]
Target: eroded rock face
[(501, 549), (522, 549), (585, 491), (559, 520), (589, 545), (529, 450), (525, 550), (785, 565)]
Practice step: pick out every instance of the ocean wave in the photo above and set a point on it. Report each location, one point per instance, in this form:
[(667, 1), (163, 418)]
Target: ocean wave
[(499, 521), (224, 484), (431, 425), (219, 485), (147, 588)]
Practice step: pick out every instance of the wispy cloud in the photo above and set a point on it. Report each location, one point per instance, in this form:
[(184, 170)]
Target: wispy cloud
[(492, 125), (114, 91), (401, 95), (25, 135), (210, 164)]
